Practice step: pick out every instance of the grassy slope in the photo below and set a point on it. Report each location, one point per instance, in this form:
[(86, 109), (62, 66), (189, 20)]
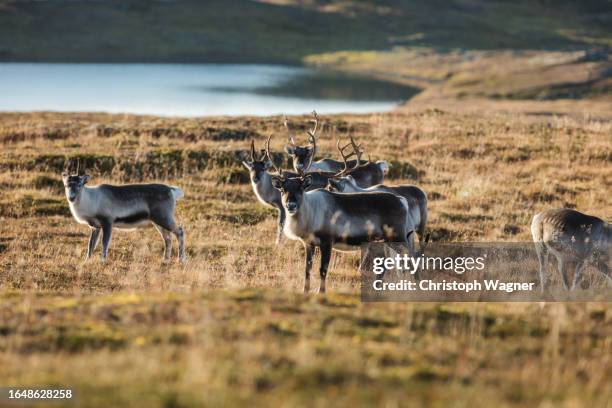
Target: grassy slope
[(285, 31), (232, 325)]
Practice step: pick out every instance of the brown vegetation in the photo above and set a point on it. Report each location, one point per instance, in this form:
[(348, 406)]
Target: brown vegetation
[(231, 326)]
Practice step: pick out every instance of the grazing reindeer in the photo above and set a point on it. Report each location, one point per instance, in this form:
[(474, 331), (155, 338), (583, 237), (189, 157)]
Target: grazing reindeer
[(417, 199), (302, 156), (324, 219), (572, 237), (127, 207)]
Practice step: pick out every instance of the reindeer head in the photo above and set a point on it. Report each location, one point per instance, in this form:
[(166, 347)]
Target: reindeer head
[(292, 188), (303, 156), (292, 191), (257, 166), (345, 184), (73, 185)]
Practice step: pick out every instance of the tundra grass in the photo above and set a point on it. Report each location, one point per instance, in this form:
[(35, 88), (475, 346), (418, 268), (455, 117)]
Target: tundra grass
[(232, 326)]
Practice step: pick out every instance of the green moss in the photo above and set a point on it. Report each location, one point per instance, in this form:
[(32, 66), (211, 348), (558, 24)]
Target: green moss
[(233, 176), (28, 205), (54, 184), (403, 170)]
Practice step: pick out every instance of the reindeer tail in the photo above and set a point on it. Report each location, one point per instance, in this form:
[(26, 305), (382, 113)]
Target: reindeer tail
[(384, 166), (177, 193)]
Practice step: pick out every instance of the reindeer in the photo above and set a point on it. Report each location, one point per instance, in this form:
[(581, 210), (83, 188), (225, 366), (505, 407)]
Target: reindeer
[(302, 156), (127, 207), (324, 219), (417, 199), (572, 237), (261, 180)]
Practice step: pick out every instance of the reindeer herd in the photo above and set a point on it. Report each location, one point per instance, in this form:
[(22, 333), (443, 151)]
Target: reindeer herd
[(329, 204)]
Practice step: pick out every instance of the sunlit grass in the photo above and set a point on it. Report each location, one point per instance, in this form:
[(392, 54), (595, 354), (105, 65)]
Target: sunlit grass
[(232, 326)]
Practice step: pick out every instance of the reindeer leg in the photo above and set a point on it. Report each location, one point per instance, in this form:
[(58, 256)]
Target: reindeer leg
[(602, 266), (310, 249), (578, 273), (281, 225), (363, 264), (180, 235), (93, 241), (167, 222), (563, 271), (542, 253), (326, 250), (167, 237), (107, 234)]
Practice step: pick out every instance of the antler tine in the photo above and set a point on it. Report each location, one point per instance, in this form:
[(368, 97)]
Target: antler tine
[(345, 158), (252, 150), (289, 137), (356, 148), (263, 155), (279, 171), (357, 152), (313, 132)]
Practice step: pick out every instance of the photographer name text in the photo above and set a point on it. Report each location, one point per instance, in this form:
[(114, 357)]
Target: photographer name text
[(453, 286)]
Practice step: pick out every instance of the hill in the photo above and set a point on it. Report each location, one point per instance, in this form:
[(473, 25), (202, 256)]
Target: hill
[(286, 31)]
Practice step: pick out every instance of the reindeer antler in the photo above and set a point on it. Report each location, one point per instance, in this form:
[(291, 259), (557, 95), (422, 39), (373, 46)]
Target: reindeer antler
[(357, 152), (289, 137), (313, 132), (252, 150), (312, 139), (279, 171)]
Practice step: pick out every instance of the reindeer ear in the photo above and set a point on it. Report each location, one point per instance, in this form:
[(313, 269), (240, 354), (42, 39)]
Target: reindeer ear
[(65, 176), (247, 164), (289, 149), (307, 181), (85, 179), (277, 182), (268, 165)]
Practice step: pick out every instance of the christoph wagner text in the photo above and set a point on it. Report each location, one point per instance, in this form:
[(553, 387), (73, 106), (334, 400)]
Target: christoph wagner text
[(428, 285)]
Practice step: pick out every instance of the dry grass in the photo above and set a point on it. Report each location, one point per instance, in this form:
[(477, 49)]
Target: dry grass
[(231, 325)]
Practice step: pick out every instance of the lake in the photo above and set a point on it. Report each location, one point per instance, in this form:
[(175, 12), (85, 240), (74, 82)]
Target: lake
[(191, 89)]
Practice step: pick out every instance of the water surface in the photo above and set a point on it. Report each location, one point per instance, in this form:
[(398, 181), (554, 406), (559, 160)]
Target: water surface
[(191, 89)]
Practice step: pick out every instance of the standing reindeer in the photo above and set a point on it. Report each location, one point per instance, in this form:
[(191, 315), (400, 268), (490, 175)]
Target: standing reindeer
[(324, 219), (417, 199), (302, 156), (125, 207), (572, 237), (261, 179)]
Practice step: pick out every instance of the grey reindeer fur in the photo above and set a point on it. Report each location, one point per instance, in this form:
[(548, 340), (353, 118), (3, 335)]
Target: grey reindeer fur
[(328, 220), (572, 237), (125, 207), (261, 181), (417, 199)]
